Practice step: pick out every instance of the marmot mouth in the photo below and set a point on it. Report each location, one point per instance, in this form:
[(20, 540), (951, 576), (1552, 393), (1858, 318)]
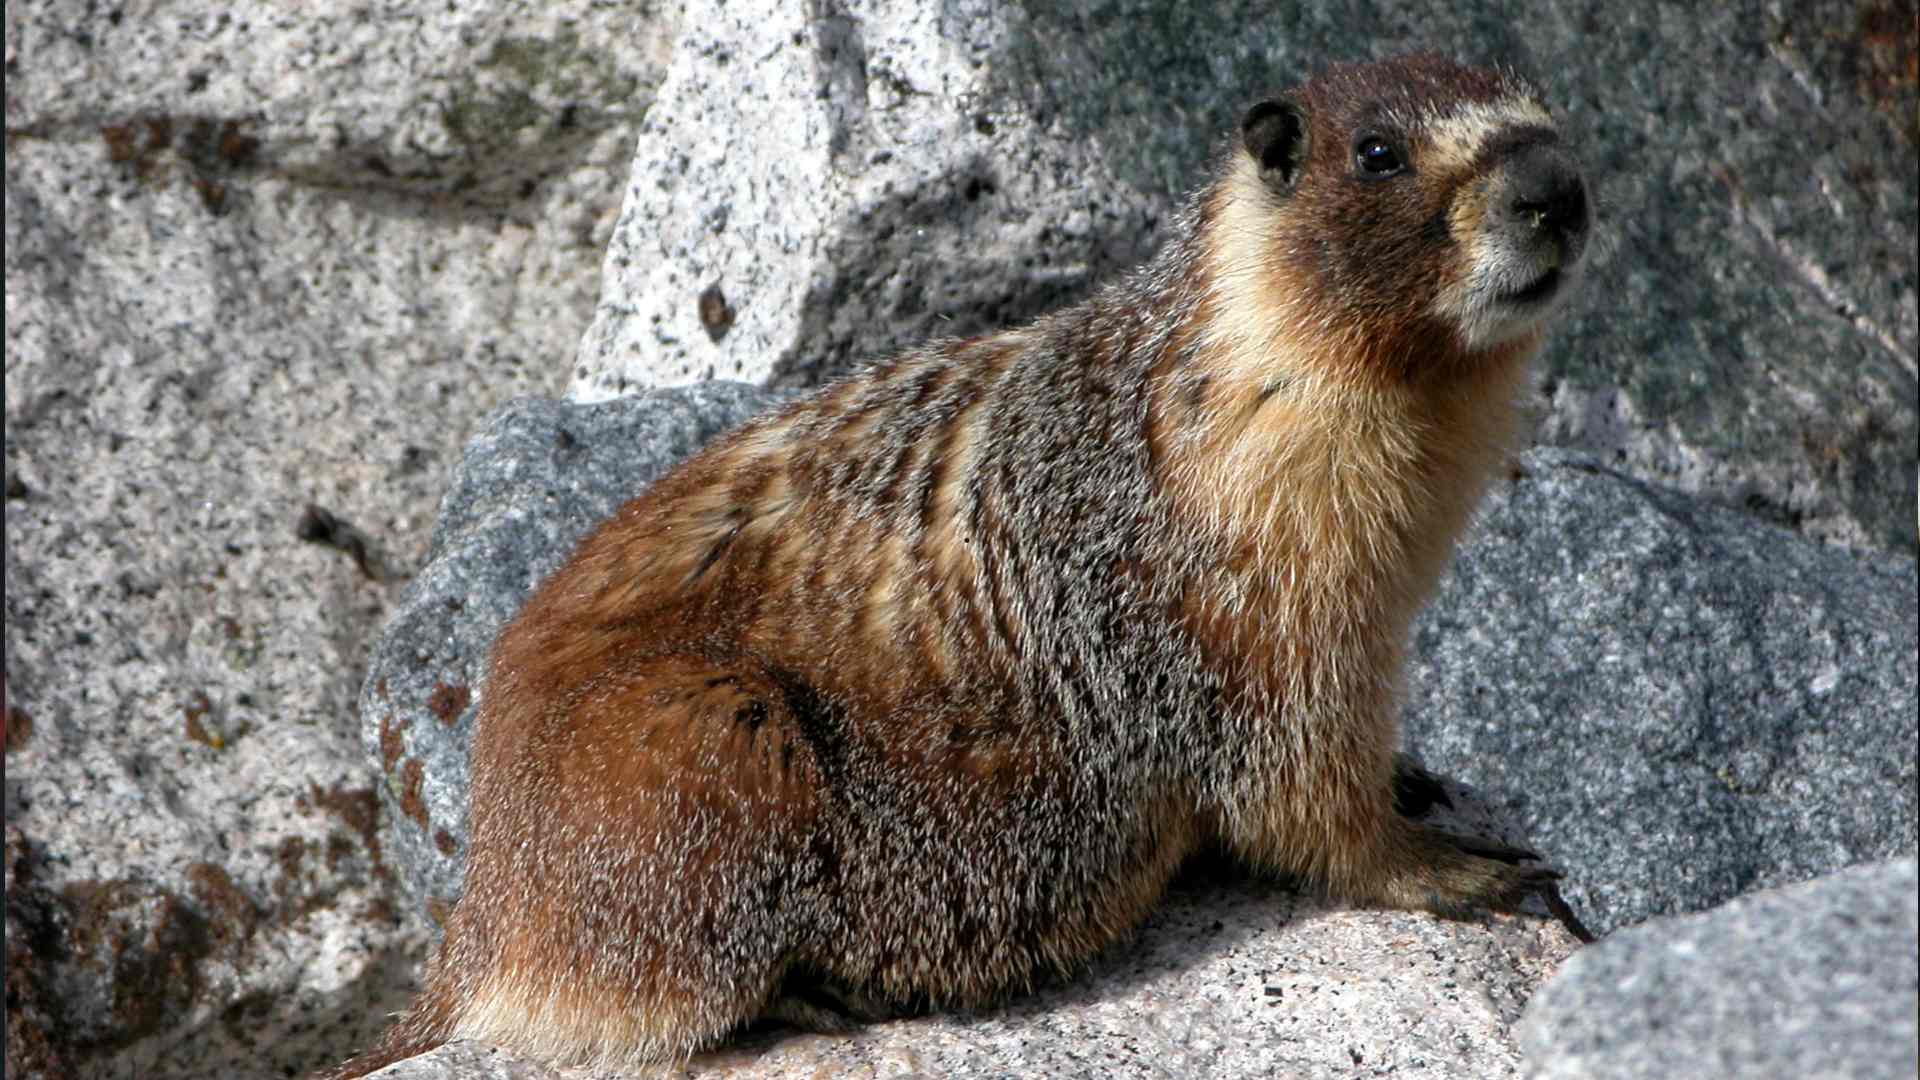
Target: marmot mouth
[(1542, 289)]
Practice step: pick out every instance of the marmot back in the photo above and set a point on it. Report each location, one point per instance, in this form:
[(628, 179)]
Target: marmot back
[(922, 687)]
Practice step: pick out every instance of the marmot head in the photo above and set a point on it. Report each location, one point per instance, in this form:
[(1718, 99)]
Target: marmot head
[(1411, 198)]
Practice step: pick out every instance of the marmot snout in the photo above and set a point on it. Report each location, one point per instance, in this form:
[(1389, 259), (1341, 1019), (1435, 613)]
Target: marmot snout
[(922, 687), (1538, 224)]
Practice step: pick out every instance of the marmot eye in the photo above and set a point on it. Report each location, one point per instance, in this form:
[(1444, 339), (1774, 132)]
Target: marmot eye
[(1377, 157)]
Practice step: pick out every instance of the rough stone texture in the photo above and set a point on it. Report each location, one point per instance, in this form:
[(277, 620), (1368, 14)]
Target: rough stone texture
[(1230, 977), (254, 260), (922, 182), (1819, 979), (837, 185), (1682, 704), (491, 102)]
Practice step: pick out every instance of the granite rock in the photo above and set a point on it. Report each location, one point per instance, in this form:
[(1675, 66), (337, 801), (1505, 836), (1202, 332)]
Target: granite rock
[(1682, 704), (817, 187), (1229, 977), (1816, 979), (256, 260), (480, 102)]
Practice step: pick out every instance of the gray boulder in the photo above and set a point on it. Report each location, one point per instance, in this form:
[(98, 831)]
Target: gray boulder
[(1229, 977), (1681, 703), (257, 259), (1818, 979)]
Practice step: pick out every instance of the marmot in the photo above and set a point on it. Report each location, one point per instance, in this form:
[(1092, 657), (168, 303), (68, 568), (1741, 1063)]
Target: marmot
[(923, 686)]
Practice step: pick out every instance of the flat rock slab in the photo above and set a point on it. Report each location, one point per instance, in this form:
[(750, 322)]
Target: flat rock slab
[(1228, 978), (1818, 979)]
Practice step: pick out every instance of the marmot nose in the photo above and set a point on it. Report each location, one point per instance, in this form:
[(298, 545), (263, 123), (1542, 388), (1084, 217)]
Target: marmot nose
[(1546, 198)]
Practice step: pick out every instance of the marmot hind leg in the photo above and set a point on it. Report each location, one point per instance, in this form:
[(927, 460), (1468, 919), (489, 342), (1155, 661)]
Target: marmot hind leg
[(669, 813)]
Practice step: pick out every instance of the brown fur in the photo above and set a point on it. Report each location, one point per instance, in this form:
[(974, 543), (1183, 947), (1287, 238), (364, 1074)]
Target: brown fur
[(922, 687)]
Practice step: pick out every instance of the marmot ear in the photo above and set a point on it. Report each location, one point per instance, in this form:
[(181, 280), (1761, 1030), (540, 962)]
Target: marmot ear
[(1275, 135)]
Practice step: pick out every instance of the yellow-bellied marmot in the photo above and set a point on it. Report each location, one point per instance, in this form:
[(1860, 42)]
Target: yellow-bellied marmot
[(925, 684)]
